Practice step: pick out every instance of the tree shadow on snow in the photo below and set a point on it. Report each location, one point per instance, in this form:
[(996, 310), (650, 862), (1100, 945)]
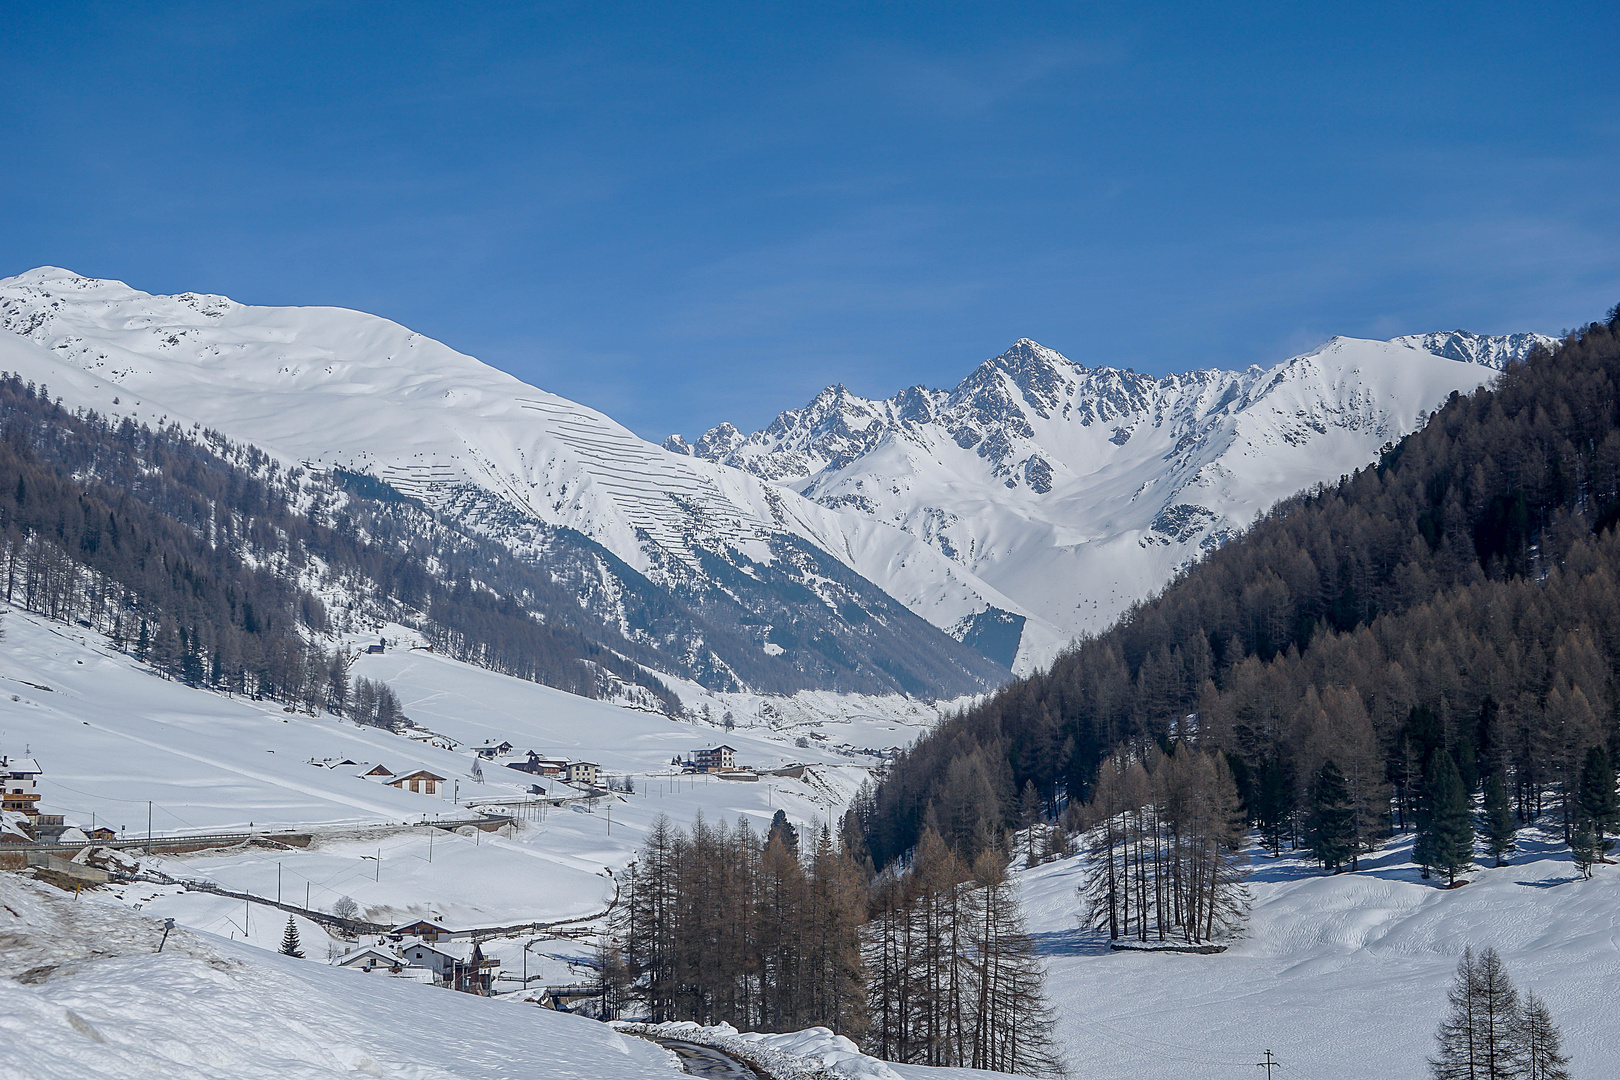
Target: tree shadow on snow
[(1077, 942)]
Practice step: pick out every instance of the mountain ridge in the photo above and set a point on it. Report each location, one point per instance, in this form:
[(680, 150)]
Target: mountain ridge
[(1133, 476), (758, 569)]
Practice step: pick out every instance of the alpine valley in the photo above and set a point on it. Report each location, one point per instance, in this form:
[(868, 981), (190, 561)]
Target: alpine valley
[(928, 544)]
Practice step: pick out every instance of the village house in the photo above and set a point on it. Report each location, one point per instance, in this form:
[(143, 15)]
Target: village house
[(369, 958), (375, 958), (538, 765), (490, 753), (376, 772), (426, 929), (421, 781), (459, 967), (715, 759), (580, 772), (20, 778)]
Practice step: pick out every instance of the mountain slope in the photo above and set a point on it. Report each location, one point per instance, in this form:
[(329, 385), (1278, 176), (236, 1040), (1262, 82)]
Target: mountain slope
[(1457, 597), (1078, 491), (747, 585)]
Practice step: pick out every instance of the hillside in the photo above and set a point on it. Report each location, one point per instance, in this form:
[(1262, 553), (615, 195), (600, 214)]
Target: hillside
[(1340, 976), (1457, 596), (742, 583), (1078, 490)]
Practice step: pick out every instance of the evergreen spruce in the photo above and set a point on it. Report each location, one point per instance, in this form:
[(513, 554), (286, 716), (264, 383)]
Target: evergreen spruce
[(1273, 805), (289, 940), (1445, 840), (782, 829), (1498, 825), (1332, 832), (1595, 799)]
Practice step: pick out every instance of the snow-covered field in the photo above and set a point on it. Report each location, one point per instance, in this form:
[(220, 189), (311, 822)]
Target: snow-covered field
[(110, 736), (84, 993), (1340, 977)]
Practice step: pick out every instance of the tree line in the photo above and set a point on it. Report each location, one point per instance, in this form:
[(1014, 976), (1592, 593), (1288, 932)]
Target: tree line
[(930, 965), (1459, 599), (208, 560)]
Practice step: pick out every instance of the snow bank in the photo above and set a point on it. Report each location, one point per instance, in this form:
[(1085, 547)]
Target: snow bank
[(812, 1054), (83, 993)]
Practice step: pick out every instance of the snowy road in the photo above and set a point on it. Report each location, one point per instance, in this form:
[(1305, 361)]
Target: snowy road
[(706, 1061)]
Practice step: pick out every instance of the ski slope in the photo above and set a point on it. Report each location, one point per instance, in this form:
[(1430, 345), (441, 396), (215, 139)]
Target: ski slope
[(1341, 976)]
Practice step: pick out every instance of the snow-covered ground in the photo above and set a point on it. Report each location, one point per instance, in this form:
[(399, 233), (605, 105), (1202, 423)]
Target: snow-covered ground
[(1339, 976), (84, 993), (110, 736)]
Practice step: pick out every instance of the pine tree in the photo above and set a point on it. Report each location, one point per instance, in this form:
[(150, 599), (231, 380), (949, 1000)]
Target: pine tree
[(1445, 840), (1273, 804), (1480, 1037), (1540, 1042), (1498, 824), (782, 829), (1595, 799), (1332, 818), (289, 940)]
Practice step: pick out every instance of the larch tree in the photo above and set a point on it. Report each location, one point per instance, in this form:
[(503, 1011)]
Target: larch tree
[(1540, 1042), (1479, 1037)]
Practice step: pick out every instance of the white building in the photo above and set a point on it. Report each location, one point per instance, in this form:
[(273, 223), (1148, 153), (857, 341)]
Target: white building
[(20, 779)]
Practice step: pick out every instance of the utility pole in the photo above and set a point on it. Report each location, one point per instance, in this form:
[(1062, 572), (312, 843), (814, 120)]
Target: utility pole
[(1268, 1064), (149, 826), (278, 883), (379, 865)]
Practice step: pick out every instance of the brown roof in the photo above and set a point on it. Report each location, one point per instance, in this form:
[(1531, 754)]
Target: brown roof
[(419, 774)]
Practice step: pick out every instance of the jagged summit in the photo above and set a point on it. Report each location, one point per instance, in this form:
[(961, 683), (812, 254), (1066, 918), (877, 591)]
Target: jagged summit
[(1077, 490)]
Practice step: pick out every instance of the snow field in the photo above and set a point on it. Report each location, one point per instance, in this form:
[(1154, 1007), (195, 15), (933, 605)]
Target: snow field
[(96, 1000), (111, 735), (1340, 976)]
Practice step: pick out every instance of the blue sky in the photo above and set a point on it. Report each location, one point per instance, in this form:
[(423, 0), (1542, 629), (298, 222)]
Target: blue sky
[(682, 215)]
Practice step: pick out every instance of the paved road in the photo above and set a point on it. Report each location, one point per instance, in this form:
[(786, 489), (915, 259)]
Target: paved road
[(707, 1062)]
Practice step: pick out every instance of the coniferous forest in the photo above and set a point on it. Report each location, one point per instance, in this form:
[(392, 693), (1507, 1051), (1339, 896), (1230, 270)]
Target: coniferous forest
[(208, 560), (1366, 657)]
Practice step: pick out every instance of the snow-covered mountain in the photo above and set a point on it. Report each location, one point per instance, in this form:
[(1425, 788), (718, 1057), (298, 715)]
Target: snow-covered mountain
[(762, 570), (1078, 490), (1035, 500)]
